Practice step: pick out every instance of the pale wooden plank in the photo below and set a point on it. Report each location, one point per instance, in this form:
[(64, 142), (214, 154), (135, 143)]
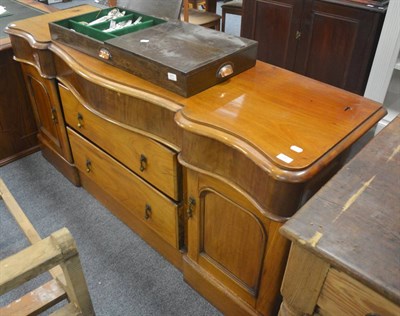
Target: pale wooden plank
[(24, 223), (343, 295), (19, 216), (304, 276), (28, 263), (36, 301)]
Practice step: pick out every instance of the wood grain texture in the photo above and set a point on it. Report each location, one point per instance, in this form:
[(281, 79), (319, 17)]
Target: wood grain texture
[(273, 22), (24, 223), (123, 185), (359, 225), (47, 109), (331, 41), (345, 60), (149, 159), (36, 301), (170, 253), (17, 123), (225, 230), (304, 276), (342, 295)]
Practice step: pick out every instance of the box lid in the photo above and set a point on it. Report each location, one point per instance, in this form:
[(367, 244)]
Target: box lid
[(182, 46)]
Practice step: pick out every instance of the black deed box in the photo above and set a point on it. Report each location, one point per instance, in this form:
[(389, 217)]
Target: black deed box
[(175, 55)]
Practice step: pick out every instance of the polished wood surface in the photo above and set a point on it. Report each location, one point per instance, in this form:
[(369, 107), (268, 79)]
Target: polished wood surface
[(18, 126), (17, 123), (356, 233), (151, 160), (47, 109), (293, 34), (273, 22), (151, 207), (266, 101), (235, 143)]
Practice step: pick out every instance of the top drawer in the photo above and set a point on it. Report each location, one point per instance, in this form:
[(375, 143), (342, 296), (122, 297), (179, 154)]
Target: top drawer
[(151, 160)]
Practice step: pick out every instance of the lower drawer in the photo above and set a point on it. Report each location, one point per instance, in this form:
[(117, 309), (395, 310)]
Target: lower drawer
[(149, 159), (152, 207)]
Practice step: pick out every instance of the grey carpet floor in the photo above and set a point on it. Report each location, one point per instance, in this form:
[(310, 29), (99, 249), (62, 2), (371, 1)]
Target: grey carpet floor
[(124, 275)]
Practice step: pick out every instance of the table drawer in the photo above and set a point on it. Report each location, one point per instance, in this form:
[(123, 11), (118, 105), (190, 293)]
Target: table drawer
[(342, 295), (152, 207), (149, 159)]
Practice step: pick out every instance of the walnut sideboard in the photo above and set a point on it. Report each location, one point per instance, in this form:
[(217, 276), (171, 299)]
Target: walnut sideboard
[(207, 180)]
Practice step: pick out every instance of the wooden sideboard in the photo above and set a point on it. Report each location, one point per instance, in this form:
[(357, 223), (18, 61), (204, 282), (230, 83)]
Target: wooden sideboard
[(207, 180), (344, 258), (18, 128), (333, 41)]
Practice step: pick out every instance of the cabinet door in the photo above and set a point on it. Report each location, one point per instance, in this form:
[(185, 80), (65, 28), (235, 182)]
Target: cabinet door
[(274, 24), (17, 124), (46, 105), (230, 239), (337, 44)]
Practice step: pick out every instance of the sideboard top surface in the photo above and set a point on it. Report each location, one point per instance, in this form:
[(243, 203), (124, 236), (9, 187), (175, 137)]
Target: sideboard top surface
[(353, 222), (288, 121)]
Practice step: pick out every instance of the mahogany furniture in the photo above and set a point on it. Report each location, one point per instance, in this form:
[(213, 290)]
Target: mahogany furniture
[(17, 122), (207, 180), (331, 41), (344, 258)]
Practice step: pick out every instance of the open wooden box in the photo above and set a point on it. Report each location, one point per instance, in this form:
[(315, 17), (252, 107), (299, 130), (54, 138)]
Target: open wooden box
[(175, 55)]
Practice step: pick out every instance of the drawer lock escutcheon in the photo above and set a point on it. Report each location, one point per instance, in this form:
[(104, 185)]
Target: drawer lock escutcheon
[(147, 212), (80, 120), (191, 206), (88, 165), (143, 162)]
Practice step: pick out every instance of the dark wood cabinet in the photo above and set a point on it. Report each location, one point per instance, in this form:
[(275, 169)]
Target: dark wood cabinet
[(17, 124), (331, 41)]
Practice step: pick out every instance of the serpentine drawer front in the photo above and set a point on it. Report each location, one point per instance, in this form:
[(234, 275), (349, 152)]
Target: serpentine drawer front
[(154, 209), (149, 159)]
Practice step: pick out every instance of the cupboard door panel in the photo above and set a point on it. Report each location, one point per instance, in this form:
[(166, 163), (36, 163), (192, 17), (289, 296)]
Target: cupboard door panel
[(274, 26), (47, 108), (337, 44), (232, 236)]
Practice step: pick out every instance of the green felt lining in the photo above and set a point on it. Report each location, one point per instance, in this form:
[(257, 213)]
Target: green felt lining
[(95, 31)]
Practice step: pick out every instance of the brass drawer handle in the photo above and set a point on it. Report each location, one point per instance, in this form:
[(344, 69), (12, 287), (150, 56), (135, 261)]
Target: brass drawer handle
[(88, 166), (80, 119), (53, 115), (147, 212), (191, 206), (143, 162)]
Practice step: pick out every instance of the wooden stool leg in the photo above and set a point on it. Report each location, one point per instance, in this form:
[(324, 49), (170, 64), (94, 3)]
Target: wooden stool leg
[(223, 20), (76, 287)]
